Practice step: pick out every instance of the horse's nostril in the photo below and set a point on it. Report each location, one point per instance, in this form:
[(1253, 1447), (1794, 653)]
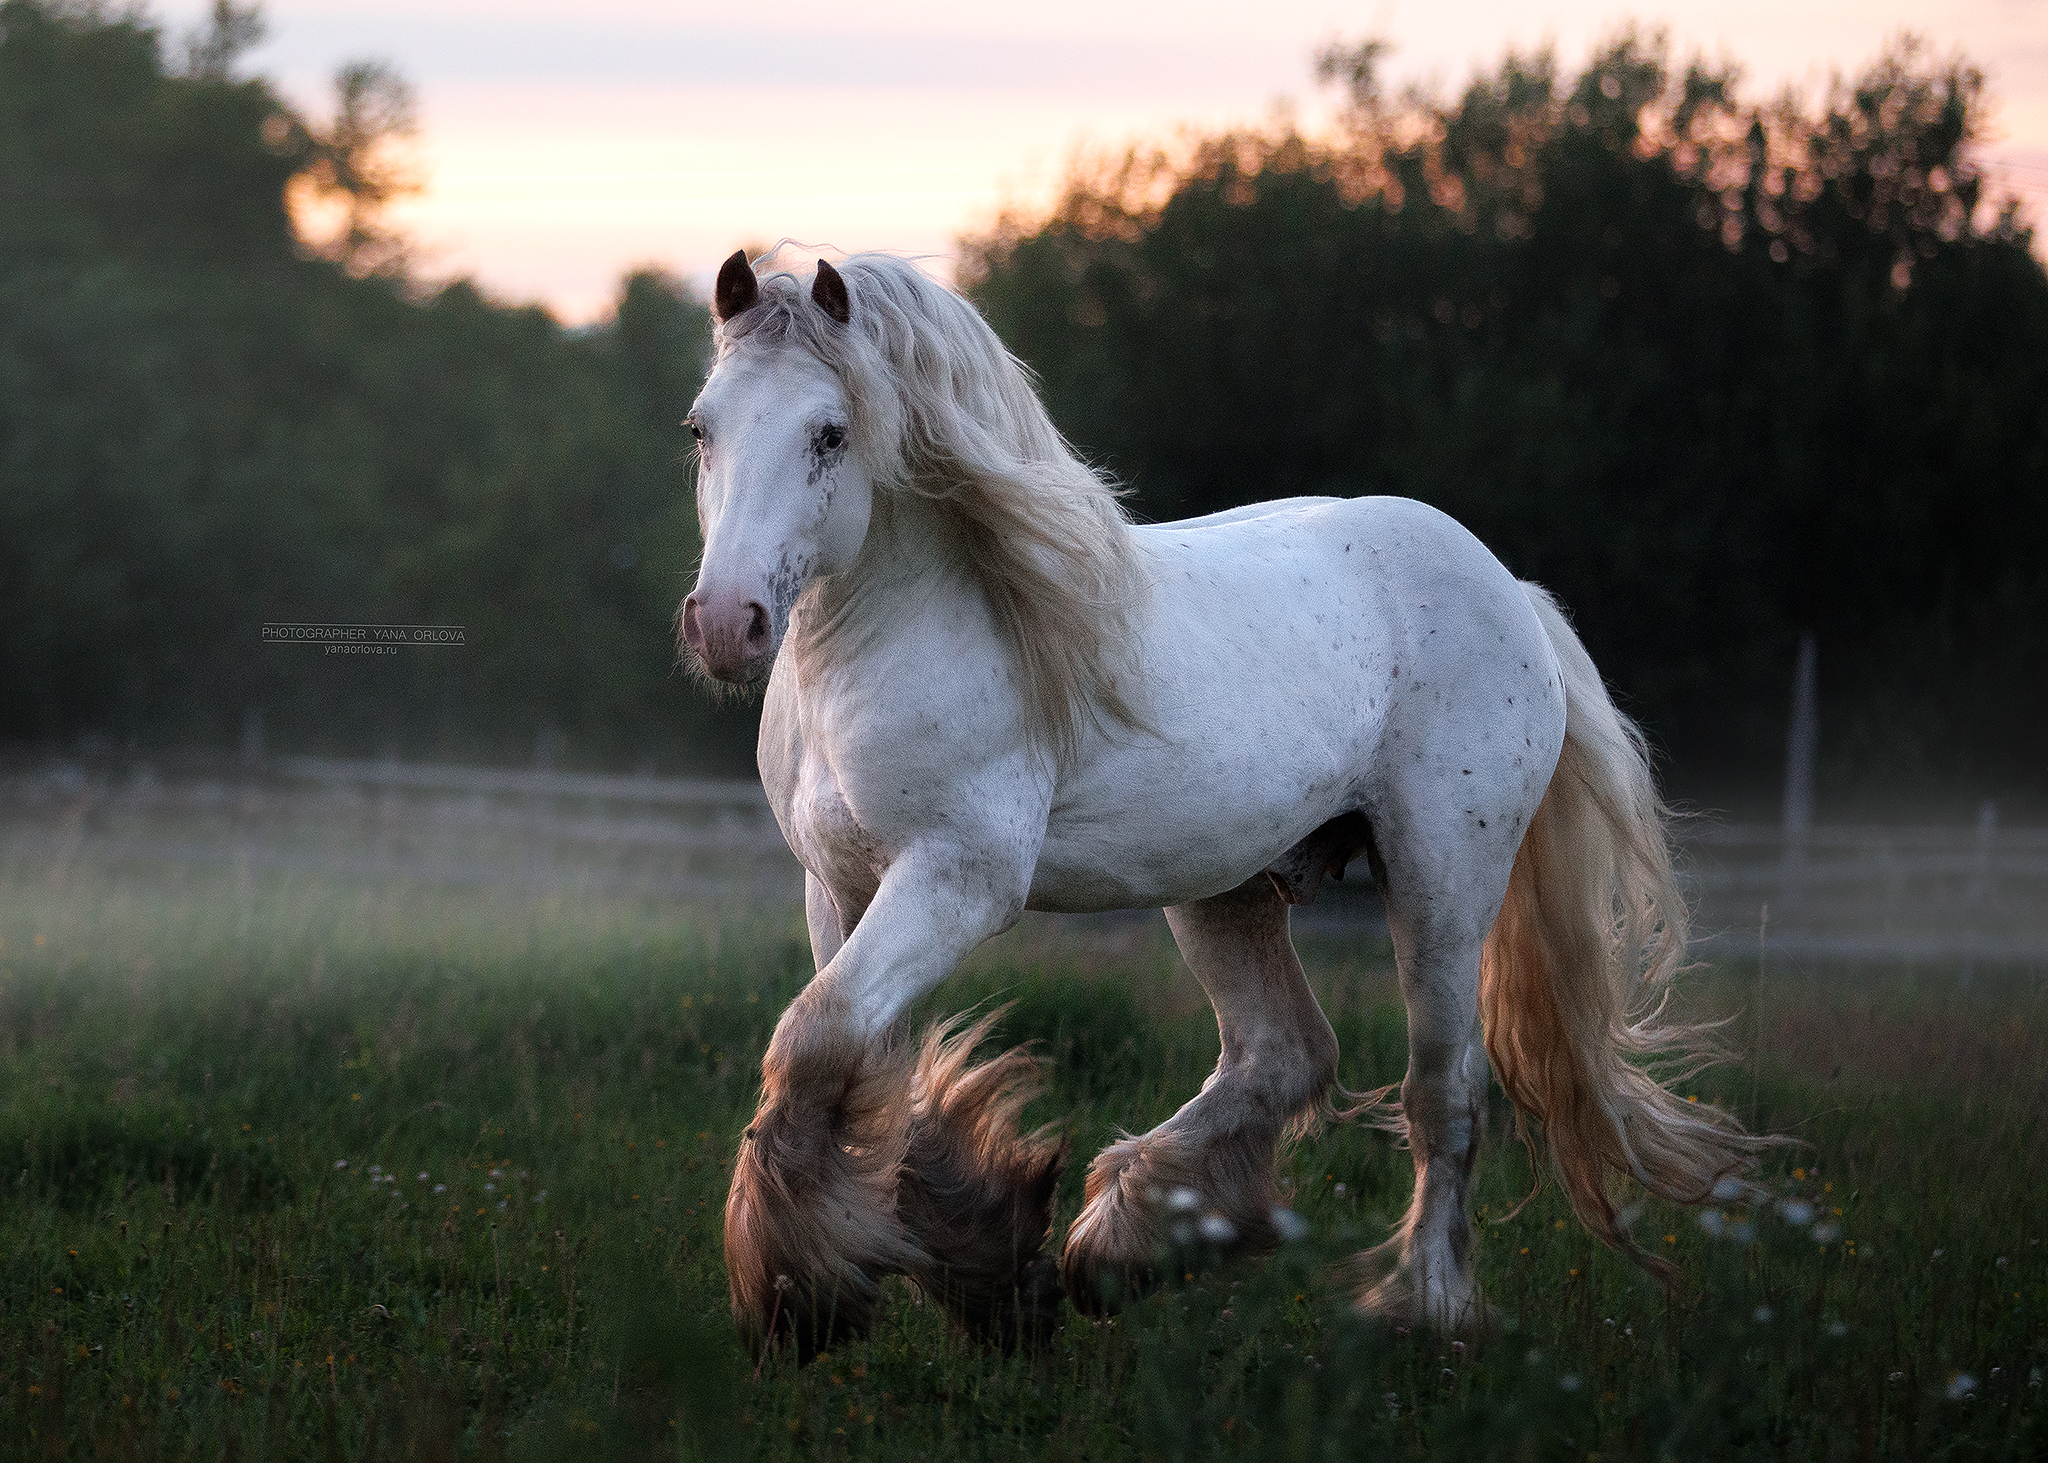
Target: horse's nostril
[(692, 631), (757, 623)]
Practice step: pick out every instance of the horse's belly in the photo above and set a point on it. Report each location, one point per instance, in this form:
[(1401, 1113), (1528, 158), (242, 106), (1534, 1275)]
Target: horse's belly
[(1075, 881), (1193, 815)]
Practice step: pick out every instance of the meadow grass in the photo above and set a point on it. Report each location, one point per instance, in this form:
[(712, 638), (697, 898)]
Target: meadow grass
[(300, 1169)]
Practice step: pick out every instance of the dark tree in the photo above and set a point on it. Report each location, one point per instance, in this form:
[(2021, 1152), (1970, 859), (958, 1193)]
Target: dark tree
[(205, 423), (1716, 373)]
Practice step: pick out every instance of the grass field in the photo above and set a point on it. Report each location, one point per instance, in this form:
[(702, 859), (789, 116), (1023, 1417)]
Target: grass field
[(296, 1169)]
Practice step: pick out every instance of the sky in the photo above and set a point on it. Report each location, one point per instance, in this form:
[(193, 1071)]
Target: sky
[(562, 144)]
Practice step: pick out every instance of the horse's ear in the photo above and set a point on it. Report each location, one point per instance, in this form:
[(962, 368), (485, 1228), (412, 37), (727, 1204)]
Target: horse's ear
[(828, 291), (737, 289)]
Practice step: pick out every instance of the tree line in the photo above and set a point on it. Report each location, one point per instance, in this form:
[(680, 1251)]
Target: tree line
[(207, 424), (1717, 372)]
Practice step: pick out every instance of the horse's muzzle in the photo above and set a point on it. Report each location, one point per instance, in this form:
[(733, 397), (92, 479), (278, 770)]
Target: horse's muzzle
[(731, 637)]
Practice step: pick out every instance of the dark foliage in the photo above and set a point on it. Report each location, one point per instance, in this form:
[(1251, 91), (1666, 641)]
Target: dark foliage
[(1716, 374), (205, 425)]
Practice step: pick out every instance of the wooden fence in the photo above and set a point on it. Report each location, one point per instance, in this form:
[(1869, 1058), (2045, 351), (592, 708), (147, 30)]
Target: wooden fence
[(1886, 893)]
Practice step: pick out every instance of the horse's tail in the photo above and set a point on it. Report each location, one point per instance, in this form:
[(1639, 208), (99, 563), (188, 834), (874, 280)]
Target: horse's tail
[(1574, 978)]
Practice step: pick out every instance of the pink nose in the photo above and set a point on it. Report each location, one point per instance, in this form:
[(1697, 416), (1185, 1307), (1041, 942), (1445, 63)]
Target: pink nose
[(729, 635)]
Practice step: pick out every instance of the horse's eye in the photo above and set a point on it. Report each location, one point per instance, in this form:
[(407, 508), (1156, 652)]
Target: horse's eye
[(832, 438), (695, 430)]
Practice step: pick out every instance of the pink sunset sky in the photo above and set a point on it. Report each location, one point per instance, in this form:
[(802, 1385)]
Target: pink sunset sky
[(562, 144)]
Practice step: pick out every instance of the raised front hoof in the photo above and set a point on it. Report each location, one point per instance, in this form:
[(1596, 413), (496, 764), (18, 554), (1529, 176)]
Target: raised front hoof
[(1451, 1306), (811, 1228)]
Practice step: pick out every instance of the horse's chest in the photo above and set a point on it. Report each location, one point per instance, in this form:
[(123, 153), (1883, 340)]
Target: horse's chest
[(830, 841)]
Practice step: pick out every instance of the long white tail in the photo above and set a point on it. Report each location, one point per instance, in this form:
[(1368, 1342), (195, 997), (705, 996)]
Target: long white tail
[(1575, 976)]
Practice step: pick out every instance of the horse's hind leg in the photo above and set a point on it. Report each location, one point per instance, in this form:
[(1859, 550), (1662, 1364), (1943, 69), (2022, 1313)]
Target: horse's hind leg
[(1442, 1100), (1213, 1160), (1442, 890)]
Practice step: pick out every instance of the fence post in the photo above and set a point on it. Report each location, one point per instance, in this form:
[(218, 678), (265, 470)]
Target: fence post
[(1802, 744), (1979, 892), (1987, 839), (1756, 1043)]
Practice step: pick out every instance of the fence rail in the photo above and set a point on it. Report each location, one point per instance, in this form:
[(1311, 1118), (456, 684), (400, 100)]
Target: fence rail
[(657, 792), (1866, 892)]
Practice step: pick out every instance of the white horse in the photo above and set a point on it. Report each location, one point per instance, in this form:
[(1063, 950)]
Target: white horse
[(987, 691)]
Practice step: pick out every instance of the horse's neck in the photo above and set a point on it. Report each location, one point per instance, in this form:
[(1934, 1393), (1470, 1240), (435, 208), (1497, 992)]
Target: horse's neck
[(910, 563)]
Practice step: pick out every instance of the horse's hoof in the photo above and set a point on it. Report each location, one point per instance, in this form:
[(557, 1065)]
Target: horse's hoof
[(976, 1195), (1100, 1288), (1151, 1205), (1404, 1302), (1110, 1257), (810, 1218), (816, 1323), (1026, 1318)]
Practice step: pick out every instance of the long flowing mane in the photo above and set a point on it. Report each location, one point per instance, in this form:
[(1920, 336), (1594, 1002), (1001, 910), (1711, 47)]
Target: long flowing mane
[(943, 410)]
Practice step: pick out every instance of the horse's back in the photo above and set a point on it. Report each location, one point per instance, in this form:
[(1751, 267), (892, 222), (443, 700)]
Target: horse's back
[(1333, 587), (1382, 611), (1399, 543)]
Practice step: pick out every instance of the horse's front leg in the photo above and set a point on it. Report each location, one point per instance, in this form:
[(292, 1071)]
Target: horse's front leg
[(819, 1211), (1210, 1166)]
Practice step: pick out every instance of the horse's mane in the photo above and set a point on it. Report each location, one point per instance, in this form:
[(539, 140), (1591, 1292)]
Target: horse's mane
[(942, 409)]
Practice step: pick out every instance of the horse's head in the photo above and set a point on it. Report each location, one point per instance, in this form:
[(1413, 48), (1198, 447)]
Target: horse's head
[(783, 489)]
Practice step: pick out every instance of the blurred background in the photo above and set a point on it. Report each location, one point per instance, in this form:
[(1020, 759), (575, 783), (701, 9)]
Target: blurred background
[(1728, 324), (377, 1029)]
